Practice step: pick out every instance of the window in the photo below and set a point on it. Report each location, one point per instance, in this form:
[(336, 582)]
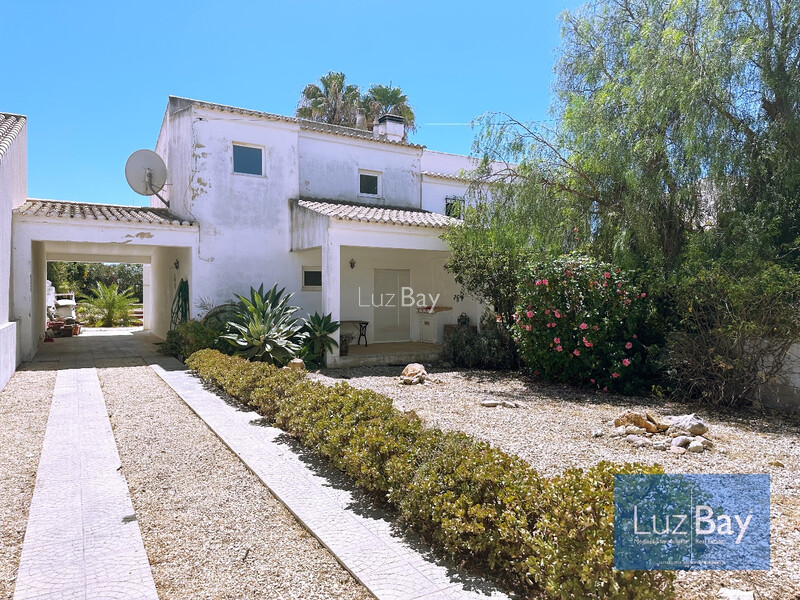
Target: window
[(369, 184), (312, 278), (453, 206), (247, 160)]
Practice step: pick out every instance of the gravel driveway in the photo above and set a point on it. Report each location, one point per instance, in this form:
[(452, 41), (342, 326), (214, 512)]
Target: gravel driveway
[(24, 407), (210, 527), (552, 429)]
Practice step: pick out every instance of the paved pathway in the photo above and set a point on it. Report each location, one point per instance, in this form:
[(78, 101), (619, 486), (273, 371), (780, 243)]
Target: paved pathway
[(390, 565), (82, 539)]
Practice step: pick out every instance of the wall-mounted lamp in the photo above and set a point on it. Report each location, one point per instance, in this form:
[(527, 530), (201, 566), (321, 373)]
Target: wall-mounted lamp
[(177, 264), (352, 263)]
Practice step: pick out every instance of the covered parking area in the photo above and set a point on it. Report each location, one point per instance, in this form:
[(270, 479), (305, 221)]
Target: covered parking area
[(45, 230)]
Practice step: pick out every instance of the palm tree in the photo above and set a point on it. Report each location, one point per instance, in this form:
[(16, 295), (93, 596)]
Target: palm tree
[(383, 99), (332, 101), (111, 304)]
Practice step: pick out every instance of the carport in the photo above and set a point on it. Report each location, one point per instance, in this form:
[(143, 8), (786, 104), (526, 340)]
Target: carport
[(45, 230)]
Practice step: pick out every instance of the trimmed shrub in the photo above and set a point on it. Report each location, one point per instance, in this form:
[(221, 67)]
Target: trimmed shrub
[(574, 541), (584, 321), (475, 502)]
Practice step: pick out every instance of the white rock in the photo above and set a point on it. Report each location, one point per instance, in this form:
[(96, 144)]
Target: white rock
[(637, 440), (491, 403), (619, 431), (682, 441), (707, 443), (696, 446), (597, 433), (509, 404), (689, 423), (677, 450), (659, 445)]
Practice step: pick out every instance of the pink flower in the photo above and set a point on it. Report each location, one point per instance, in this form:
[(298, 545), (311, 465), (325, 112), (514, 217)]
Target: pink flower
[(627, 302), (628, 346), (619, 285), (556, 341), (642, 295), (605, 284), (606, 274), (527, 327), (530, 314), (576, 352), (559, 348), (544, 282), (626, 362), (538, 282), (635, 336), (548, 325), (619, 291), (574, 230), (594, 327), (499, 318), (557, 314), (615, 375), (583, 326), (516, 317), (552, 324), (587, 343), (605, 389), (547, 311), (591, 381)]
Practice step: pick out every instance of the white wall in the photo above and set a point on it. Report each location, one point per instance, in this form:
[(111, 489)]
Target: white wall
[(329, 169), (435, 191), (13, 191), (39, 239)]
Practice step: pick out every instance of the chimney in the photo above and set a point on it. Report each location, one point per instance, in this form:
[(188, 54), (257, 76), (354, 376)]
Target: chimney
[(390, 127)]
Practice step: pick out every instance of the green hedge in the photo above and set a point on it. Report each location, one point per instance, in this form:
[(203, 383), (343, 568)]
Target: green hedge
[(475, 502)]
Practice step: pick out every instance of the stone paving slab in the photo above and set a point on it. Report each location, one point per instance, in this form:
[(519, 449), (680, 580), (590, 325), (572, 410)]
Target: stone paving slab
[(390, 565), (82, 540)]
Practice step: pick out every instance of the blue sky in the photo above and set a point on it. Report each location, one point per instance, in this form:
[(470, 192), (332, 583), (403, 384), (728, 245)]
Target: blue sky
[(93, 78)]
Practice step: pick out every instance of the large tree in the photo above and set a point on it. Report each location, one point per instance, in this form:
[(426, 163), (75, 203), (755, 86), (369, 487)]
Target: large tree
[(332, 101), (669, 115), (387, 99)]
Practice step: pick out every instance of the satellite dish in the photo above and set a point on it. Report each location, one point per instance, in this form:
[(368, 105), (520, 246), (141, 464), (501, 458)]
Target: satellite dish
[(146, 173)]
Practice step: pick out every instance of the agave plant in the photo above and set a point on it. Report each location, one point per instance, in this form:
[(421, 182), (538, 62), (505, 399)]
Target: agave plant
[(262, 327), (110, 304), (318, 340)]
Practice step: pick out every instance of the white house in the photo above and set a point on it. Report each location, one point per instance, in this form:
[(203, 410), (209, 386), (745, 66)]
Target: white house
[(348, 219)]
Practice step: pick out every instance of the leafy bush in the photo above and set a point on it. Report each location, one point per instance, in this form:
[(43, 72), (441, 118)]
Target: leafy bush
[(574, 541), (112, 306), (581, 320), (190, 337), (475, 502), (317, 331), (737, 323), (263, 327), (492, 347)]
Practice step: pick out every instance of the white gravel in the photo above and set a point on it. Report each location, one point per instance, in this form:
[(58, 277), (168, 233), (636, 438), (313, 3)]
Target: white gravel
[(552, 429), (24, 408), (210, 527)]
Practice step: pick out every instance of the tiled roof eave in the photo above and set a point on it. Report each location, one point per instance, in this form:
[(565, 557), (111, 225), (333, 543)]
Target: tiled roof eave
[(93, 213)]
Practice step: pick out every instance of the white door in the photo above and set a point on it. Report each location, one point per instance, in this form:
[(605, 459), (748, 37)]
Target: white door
[(392, 320)]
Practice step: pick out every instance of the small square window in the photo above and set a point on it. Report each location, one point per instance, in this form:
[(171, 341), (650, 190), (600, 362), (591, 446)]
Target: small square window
[(369, 184), (312, 278), (247, 160)]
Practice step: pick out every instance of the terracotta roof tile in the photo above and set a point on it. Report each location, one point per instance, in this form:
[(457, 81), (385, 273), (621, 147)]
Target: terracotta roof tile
[(10, 126), (63, 209), (446, 176), (367, 213)]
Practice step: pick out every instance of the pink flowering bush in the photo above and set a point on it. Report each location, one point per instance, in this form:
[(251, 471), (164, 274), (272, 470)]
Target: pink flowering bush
[(584, 321)]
